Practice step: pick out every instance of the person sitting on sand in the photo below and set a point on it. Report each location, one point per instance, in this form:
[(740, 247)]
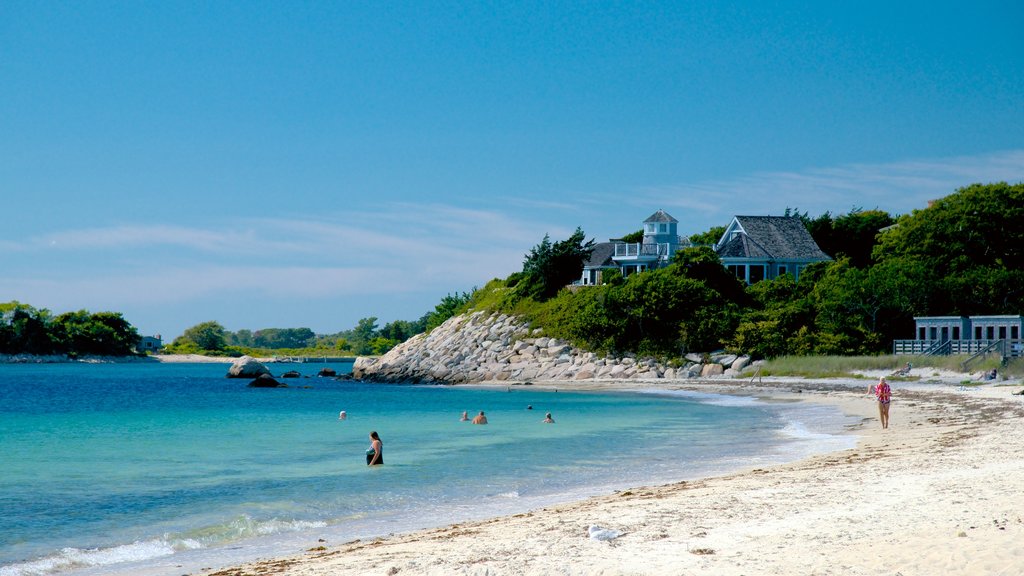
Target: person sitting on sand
[(548, 419), (884, 395), (375, 454), (480, 418)]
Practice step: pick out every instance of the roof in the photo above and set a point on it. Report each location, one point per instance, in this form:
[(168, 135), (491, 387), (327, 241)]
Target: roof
[(770, 237), (601, 257), (660, 216)]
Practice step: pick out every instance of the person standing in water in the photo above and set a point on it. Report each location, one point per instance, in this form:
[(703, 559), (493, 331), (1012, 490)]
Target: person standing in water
[(548, 419), (465, 416), (884, 395), (375, 453), (480, 418)]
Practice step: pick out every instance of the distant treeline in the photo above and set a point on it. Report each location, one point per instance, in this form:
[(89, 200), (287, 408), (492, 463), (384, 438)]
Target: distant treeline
[(28, 330), (962, 255), (366, 338)]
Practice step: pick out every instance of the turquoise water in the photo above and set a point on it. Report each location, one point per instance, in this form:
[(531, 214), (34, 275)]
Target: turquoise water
[(162, 468)]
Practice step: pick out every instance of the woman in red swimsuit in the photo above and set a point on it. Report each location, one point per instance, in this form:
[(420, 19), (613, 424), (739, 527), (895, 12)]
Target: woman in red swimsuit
[(884, 395)]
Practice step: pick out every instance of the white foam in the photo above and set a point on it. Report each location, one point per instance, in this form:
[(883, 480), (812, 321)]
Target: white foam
[(70, 558), (82, 558)]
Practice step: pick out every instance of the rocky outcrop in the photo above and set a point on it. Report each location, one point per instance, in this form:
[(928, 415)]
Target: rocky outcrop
[(266, 381), (247, 367), (496, 347)]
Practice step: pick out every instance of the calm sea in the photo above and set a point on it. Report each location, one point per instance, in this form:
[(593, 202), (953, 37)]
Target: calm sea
[(168, 468)]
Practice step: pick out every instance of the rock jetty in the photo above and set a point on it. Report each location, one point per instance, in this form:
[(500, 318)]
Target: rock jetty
[(487, 347)]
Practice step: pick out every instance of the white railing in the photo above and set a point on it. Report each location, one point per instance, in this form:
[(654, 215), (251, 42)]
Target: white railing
[(637, 250)]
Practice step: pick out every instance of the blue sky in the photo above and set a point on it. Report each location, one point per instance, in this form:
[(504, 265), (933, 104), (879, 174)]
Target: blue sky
[(289, 164)]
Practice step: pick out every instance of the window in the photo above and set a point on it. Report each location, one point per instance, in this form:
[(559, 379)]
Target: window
[(662, 228), (782, 270), (650, 228), (921, 334), (1002, 332), (933, 333), (756, 273), (990, 333), (1014, 332), (945, 333), (977, 332), (956, 332)]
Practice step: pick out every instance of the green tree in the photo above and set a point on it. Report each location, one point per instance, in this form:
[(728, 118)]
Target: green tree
[(634, 237), (103, 333), (709, 238), (971, 242), (550, 267), (277, 338), (25, 330), (206, 336), (449, 306)]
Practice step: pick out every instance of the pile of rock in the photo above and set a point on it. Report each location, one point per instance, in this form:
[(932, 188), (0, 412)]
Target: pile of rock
[(496, 347)]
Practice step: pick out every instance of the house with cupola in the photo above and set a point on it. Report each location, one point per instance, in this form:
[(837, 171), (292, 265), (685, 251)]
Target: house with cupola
[(659, 244), (754, 248)]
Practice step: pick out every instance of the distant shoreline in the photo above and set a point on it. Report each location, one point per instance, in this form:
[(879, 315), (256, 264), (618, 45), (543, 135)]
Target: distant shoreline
[(155, 358)]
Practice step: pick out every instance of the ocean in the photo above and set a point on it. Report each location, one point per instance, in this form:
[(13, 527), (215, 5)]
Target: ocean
[(164, 469)]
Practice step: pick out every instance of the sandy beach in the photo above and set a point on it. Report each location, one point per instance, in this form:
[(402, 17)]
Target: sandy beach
[(939, 492)]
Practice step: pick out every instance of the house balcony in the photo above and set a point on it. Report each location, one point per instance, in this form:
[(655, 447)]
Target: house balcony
[(642, 252)]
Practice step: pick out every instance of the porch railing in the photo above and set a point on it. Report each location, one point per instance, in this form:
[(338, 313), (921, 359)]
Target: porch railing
[(637, 250)]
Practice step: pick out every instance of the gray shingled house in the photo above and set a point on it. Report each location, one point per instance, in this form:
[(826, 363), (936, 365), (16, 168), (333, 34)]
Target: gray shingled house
[(660, 243), (764, 247)]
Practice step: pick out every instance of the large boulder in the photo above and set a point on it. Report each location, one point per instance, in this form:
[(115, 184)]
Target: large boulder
[(247, 367), (327, 372), (291, 374), (710, 370), (741, 363)]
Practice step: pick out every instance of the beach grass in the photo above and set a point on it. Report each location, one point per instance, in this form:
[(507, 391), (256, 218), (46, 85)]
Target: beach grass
[(852, 366)]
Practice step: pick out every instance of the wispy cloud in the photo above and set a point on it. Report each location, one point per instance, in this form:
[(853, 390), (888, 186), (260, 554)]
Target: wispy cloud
[(897, 187)]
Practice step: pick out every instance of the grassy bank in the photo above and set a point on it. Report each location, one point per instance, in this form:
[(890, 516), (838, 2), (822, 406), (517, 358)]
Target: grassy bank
[(849, 366)]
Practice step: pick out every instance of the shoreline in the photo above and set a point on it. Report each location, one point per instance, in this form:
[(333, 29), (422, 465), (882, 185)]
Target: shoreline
[(936, 493)]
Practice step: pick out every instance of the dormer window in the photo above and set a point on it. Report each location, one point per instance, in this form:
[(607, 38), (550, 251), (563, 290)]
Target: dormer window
[(662, 228), (651, 228)]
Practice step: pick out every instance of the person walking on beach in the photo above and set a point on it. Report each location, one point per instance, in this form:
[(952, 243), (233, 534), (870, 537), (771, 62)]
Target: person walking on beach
[(375, 453), (884, 395), (480, 418)]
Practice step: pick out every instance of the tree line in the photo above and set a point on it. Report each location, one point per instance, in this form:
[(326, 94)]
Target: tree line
[(366, 338), (28, 330)]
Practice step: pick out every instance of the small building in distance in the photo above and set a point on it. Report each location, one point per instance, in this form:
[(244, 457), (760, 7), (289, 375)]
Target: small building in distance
[(150, 344), (756, 248)]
